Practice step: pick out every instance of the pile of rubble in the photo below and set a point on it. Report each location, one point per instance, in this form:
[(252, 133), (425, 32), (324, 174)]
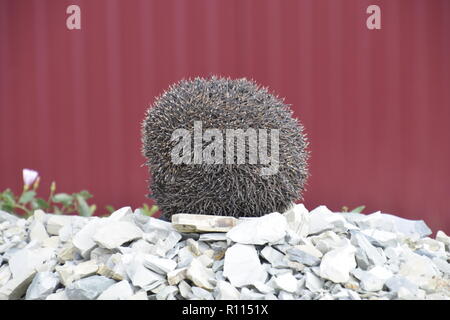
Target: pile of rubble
[(294, 255)]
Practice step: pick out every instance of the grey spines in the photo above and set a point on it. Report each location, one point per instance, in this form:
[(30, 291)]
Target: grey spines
[(222, 189)]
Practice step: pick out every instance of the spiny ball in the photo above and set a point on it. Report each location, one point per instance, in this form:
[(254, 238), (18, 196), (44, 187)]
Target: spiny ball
[(223, 188)]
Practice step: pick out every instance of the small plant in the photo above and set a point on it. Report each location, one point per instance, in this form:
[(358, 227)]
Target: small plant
[(59, 203), (356, 210)]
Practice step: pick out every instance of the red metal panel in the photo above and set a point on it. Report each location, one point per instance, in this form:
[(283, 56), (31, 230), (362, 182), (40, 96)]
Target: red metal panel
[(376, 104)]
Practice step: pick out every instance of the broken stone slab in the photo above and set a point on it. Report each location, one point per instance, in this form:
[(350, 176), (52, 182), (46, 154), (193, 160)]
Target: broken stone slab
[(88, 288), (38, 232), (159, 265), (373, 279), (185, 290), (83, 239), (313, 282), (56, 222), (118, 291), (225, 291), (322, 219), (122, 214), (374, 256), (201, 294), (418, 269), (59, 295), (24, 262), (202, 223), (301, 255), (167, 293), (286, 282), (5, 216), (175, 276), (116, 233), (242, 266), (43, 284), (270, 228), (297, 219), (70, 272), (200, 275), (16, 287), (215, 236), (445, 239), (337, 264), (273, 256)]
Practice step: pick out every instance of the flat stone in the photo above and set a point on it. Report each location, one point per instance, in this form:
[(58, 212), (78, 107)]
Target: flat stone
[(118, 291), (270, 228), (159, 265), (88, 288), (200, 275), (374, 279), (16, 287), (175, 276), (216, 236), (247, 294), (418, 269), (202, 223), (142, 277), (116, 233), (70, 272), (201, 294), (122, 214), (38, 232), (185, 290), (6, 216), (83, 239), (24, 262), (312, 282), (298, 219), (60, 295), (286, 282), (445, 239), (322, 219), (303, 257), (273, 256), (167, 293), (225, 291), (373, 255), (242, 266), (337, 263), (43, 284)]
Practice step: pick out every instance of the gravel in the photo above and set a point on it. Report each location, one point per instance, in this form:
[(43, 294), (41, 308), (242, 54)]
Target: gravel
[(302, 255)]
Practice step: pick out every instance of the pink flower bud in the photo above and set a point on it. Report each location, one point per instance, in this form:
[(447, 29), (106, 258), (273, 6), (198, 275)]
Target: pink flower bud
[(29, 176)]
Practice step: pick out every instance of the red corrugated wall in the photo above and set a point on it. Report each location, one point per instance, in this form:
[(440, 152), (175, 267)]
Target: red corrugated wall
[(375, 103)]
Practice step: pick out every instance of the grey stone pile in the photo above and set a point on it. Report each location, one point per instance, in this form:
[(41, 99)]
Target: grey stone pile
[(295, 255)]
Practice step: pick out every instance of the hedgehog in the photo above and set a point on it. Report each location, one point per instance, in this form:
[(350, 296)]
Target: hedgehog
[(235, 187)]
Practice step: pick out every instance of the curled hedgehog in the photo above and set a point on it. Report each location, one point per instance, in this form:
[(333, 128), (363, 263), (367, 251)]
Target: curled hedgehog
[(237, 188)]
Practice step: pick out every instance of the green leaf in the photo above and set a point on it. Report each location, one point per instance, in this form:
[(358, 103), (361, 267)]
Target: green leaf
[(27, 196), (63, 198), (85, 194), (146, 210), (92, 208), (8, 197), (359, 209), (110, 209), (83, 207), (42, 204)]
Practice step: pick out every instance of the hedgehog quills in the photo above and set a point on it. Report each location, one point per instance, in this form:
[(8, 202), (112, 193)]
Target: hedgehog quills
[(231, 186)]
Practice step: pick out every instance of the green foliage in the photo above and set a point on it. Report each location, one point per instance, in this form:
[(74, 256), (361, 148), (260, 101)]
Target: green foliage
[(356, 210), (25, 203)]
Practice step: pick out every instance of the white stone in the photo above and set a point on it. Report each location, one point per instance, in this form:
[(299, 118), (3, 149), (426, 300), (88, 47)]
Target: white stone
[(56, 222), (83, 239), (185, 290), (142, 277), (298, 219), (373, 279), (286, 282), (270, 228), (167, 293), (336, 264), (140, 295), (312, 282), (417, 269), (242, 266), (24, 262), (88, 288), (216, 236), (200, 275), (322, 219), (16, 287), (70, 272), (159, 265), (201, 294), (372, 254), (174, 277), (60, 295), (122, 214), (38, 232), (118, 291), (116, 233), (43, 284), (202, 223), (274, 257)]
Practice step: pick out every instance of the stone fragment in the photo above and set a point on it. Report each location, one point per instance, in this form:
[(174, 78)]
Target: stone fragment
[(374, 257), (140, 295), (122, 214), (270, 228), (202, 223), (373, 279), (312, 282), (60, 295), (298, 219), (274, 257), (286, 282), (83, 239), (185, 290), (24, 262), (116, 233), (159, 265), (16, 287), (225, 291), (302, 257), (118, 291), (216, 236), (242, 266), (322, 219), (88, 288), (38, 232), (43, 284), (142, 277), (70, 272), (200, 275), (201, 294), (175, 276), (337, 263)]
